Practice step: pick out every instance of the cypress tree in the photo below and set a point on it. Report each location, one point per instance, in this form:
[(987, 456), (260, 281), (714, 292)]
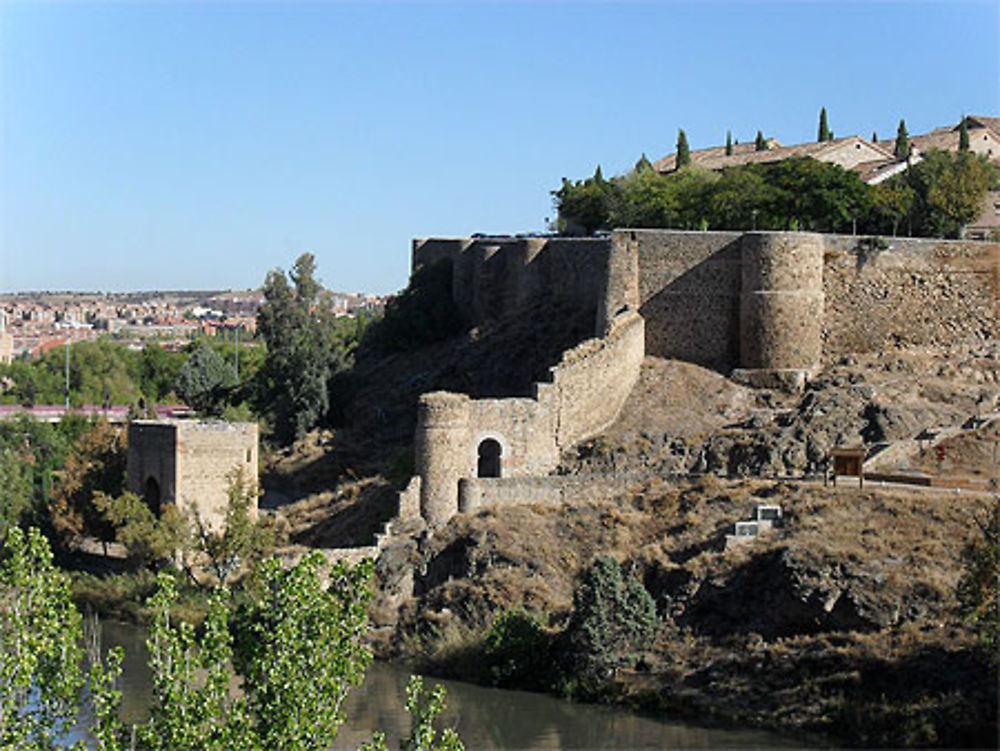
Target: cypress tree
[(963, 136), (729, 143), (643, 164), (902, 147), (598, 176), (683, 150), (760, 144), (874, 137), (824, 130)]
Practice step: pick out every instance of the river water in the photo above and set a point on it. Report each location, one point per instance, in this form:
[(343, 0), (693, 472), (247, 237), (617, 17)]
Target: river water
[(486, 718)]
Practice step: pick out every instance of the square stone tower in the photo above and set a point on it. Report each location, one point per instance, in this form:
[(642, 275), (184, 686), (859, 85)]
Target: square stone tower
[(190, 463)]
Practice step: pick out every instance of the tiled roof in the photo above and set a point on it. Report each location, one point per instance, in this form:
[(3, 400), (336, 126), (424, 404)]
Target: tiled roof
[(707, 157), (991, 123), (716, 158)]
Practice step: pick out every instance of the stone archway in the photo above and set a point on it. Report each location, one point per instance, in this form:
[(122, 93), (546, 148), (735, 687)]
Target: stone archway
[(489, 462)]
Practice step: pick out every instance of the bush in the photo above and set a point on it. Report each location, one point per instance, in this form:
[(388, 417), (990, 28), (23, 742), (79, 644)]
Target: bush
[(613, 620), (517, 651), (421, 314)]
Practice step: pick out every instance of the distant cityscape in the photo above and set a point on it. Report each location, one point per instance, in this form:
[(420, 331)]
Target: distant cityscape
[(33, 323)]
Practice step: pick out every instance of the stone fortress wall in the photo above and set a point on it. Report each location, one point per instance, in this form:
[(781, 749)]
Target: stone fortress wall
[(455, 433), (767, 308), (190, 463)]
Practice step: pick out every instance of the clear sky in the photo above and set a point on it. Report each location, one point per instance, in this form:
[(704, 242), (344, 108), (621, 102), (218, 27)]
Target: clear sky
[(197, 145)]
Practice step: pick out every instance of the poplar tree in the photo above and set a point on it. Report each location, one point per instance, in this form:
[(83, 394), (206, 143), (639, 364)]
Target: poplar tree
[(301, 353), (760, 144), (963, 135), (824, 131), (683, 150), (902, 147), (729, 143)]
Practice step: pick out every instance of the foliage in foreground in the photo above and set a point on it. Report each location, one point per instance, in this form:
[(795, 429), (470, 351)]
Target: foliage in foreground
[(40, 654), (295, 647)]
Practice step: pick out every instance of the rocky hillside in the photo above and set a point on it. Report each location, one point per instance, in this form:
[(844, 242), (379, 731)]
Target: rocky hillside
[(682, 418), (842, 622)]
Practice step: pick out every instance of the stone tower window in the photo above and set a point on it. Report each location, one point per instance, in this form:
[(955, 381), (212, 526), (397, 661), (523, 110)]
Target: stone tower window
[(489, 458), (151, 495)]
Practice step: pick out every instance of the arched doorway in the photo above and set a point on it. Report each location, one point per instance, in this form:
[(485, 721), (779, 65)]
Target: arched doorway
[(490, 452), (151, 495)]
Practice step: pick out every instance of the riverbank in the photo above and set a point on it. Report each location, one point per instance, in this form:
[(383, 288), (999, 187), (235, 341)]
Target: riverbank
[(842, 623)]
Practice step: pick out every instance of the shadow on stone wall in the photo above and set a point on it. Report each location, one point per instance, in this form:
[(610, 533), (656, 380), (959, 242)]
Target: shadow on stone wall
[(696, 317)]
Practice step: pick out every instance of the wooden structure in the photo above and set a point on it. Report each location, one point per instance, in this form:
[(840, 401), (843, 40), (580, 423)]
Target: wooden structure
[(850, 463)]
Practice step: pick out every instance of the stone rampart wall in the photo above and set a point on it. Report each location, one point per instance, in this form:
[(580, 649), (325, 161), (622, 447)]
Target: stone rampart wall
[(525, 430), (554, 490), (771, 305), (593, 380), (495, 277), (916, 292), (587, 391), (781, 301), (688, 291)]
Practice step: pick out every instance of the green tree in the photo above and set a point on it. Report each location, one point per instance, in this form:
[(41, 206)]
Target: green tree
[(901, 150), (16, 490), (300, 649), (963, 135), (35, 451), (824, 133), (892, 202), (40, 654), (148, 538), (614, 619), (646, 199), (949, 190), (302, 356), (760, 143), (683, 150), (306, 652), (979, 587), (585, 206), (203, 379), (517, 651), (741, 200), (421, 314), (242, 541), (424, 708), (729, 143), (874, 137), (95, 464), (158, 370), (815, 195), (643, 164)]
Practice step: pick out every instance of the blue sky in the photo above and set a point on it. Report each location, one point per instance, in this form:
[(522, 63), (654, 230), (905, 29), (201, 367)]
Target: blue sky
[(197, 145)]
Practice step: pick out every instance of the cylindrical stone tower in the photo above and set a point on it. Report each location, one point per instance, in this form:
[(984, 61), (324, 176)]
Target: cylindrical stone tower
[(442, 453), (781, 302)]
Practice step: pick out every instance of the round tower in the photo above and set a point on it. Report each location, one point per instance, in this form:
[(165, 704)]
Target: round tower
[(442, 450), (781, 302)]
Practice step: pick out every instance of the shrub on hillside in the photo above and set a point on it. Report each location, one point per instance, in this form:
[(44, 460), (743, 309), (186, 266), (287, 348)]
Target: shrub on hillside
[(517, 650), (614, 620), (421, 314)]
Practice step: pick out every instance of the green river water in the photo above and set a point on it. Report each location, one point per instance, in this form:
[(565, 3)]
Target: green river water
[(486, 718)]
